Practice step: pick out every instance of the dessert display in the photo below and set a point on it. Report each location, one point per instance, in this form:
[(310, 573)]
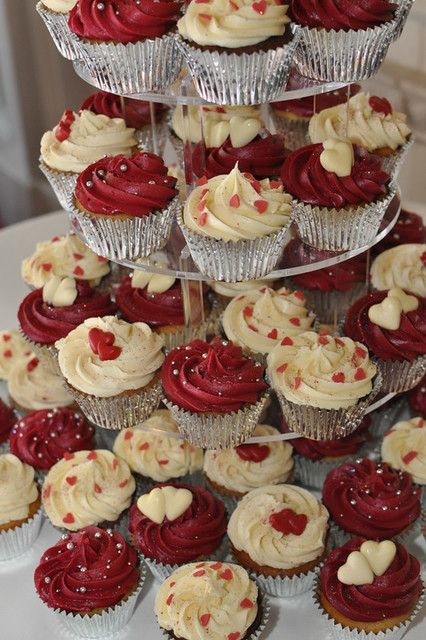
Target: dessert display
[(404, 447), (401, 266)]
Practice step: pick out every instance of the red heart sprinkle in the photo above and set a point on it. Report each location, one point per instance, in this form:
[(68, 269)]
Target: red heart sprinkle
[(282, 368), (252, 452), (339, 342), (46, 266), (31, 365), (235, 201), (246, 603), (248, 311), (114, 464), (204, 16), (234, 635), (287, 341), (216, 566), (299, 294), (47, 491), (92, 455), (275, 184), (409, 457), (203, 193), (144, 446), (273, 334), (256, 186), (201, 205), (421, 423), (123, 484), (71, 480), (360, 352), (202, 564), (102, 259), (233, 5), (78, 256), (202, 180), (101, 343), (199, 573), (226, 575), (360, 374), (322, 340), (295, 321), (172, 584), (202, 219), (169, 599), (259, 7), (220, 110), (204, 619), (6, 337), (68, 518), (261, 205), (7, 353), (78, 271), (380, 105), (253, 328), (288, 521), (338, 377), (97, 488), (128, 435), (297, 382), (68, 456), (163, 461)]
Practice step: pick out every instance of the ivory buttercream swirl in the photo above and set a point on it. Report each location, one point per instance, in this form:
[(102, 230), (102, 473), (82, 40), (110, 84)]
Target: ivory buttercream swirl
[(17, 488), (402, 266), (232, 289), (32, 386), (404, 447), (13, 349)]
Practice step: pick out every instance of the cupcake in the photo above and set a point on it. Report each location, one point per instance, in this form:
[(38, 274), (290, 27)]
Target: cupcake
[(237, 54), (214, 392), (13, 349), (223, 292), (42, 438), (258, 320), (78, 140), (20, 512), (7, 420), (125, 207), (341, 194), (409, 229), (55, 14), (392, 324), (105, 576), (278, 533), (370, 499), (417, 398), (174, 524), (404, 447), (402, 266), (85, 488), (112, 370), (324, 383), (235, 226), (128, 48)]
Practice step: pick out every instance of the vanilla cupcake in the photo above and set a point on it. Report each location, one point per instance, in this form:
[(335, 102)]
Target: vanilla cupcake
[(13, 349), (55, 14), (404, 448), (33, 385), (402, 266)]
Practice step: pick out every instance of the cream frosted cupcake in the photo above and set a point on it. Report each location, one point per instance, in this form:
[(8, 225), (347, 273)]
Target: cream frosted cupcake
[(402, 266), (234, 226), (404, 448), (279, 534), (13, 349), (87, 487), (112, 370), (55, 14)]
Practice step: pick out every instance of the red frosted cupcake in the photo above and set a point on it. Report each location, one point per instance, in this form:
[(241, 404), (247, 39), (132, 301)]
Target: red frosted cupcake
[(417, 398), (409, 229), (7, 420)]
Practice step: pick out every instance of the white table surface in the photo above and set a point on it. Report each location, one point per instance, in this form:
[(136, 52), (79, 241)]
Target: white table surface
[(22, 615)]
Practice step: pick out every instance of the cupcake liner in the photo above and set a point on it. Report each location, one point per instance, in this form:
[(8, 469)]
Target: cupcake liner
[(185, 334), (15, 542), (295, 131), (125, 237), (330, 306), (386, 416), (404, 8), (401, 375), (134, 68), (392, 164), (312, 473), (285, 587), (339, 536), (47, 353), (217, 431), (239, 79), (63, 184), (57, 25), (341, 229), (342, 56)]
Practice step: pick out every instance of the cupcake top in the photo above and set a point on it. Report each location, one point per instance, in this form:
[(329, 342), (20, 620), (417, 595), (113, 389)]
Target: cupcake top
[(358, 578), (82, 138), (50, 313), (133, 186), (32, 385), (232, 289), (241, 24), (65, 257), (402, 266), (404, 447), (248, 466), (106, 356), (41, 438), (234, 207), (306, 107), (17, 489), (215, 376), (409, 228), (135, 113), (417, 398), (366, 120), (341, 16), (391, 323), (280, 526), (259, 319), (87, 487), (321, 370), (371, 499), (99, 564), (207, 601), (7, 420), (177, 523), (13, 349), (59, 6), (334, 173), (155, 454)]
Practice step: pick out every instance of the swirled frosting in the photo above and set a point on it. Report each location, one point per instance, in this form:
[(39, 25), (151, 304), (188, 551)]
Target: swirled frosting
[(87, 487), (321, 370), (305, 178), (154, 454), (404, 447), (135, 186), (65, 257), (259, 319), (250, 527), (32, 386), (135, 113), (234, 207), (232, 289), (214, 376), (196, 533), (90, 138), (7, 420), (17, 489), (341, 15), (402, 266), (306, 107), (59, 6), (390, 595), (409, 228), (207, 601), (405, 343), (249, 466), (87, 570), (42, 437), (13, 349), (417, 398), (371, 499)]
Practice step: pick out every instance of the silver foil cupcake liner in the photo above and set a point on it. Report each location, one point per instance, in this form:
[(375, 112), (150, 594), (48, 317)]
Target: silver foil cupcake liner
[(386, 416), (57, 25), (134, 68), (330, 306), (173, 339), (63, 184), (285, 587), (401, 375), (15, 542), (341, 229), (295, 131), (339, 536), (125, 238), (342, 56), (404, 8), (312, 473), (239, 79)]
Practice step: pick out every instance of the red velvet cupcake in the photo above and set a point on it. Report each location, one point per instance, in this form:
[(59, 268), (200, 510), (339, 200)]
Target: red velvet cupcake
[(7, 420)]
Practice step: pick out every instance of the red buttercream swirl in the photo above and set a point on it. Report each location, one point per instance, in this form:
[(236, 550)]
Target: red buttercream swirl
[(45, 324), (409, 229), (136, 113), (7, 420), (405, 343), (135, 186), (211, 377), (393, 594), (123, 20), (342, 14), (42, 437), (197, 533), (89, 569), (305, 178), (417, 398), (371, 499), (306, 107)]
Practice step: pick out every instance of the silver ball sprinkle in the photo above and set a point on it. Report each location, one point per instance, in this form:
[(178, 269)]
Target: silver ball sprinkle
[(65, 536), (175, 372), (97, 534), (379, 471), (187, 348), (369, 517), (352, 502), (82, 589), (70, 545), (385, 507), (204, 355), (100, 6), (123, 167), (89, 184), (47, 580), (101, 173), (151, 181), (119, 545), (83, 569), (398, 493), (39, 455), (109, 532), (224, 342)]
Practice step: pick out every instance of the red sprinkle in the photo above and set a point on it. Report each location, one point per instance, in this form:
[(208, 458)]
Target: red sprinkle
[(275, 184), (259, 7), (78, 256), (202, 219), (295, 321), (297, 382), (114, 464), (380, 105), (6, 337), (235, 201), (97, 488), (220, 110), (92, 455), (47, 491), (71, 480), (360, 352), (201, 205), (169, 599), (273, 334), (68, 518), (233, 5), (253, 328), (68, 456), (360, 374), (248, 311), (202, 564), (163, 461), (204, 16), (202, 1), (261, 205), (287, 341), (234, 635), (339, 342), (204, 619), (144, 446), (123, 484), (199, 573), (338, 377), (78, 271), (299, 294), (46, 266), (203, 193), (7, 353), (216, 566), (226, 575), (409, 457), (246, 603), (421, 423), (282, 368), (322, 340), (31, 365), (202, 180), (128, 435)]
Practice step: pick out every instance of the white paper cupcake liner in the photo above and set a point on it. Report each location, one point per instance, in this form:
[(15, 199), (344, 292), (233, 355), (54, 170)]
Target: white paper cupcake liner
[(392, 164), (295, 131), (285, 587), (239, 79), (385, 417), (57, 25), (404, 8), (341, 229), (339, 536), (63, 184), (15, 542), (401, 375), (342, 56), (330, 306)]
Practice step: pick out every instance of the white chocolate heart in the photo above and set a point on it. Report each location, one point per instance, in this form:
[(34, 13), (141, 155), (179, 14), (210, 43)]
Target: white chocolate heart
[(155, 282), (356, 570), (379, 555), (243, 130), (338, 156), (216, 132), (177, 501), (59, 292), (164, 501), (386, 314), (408, 303)]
